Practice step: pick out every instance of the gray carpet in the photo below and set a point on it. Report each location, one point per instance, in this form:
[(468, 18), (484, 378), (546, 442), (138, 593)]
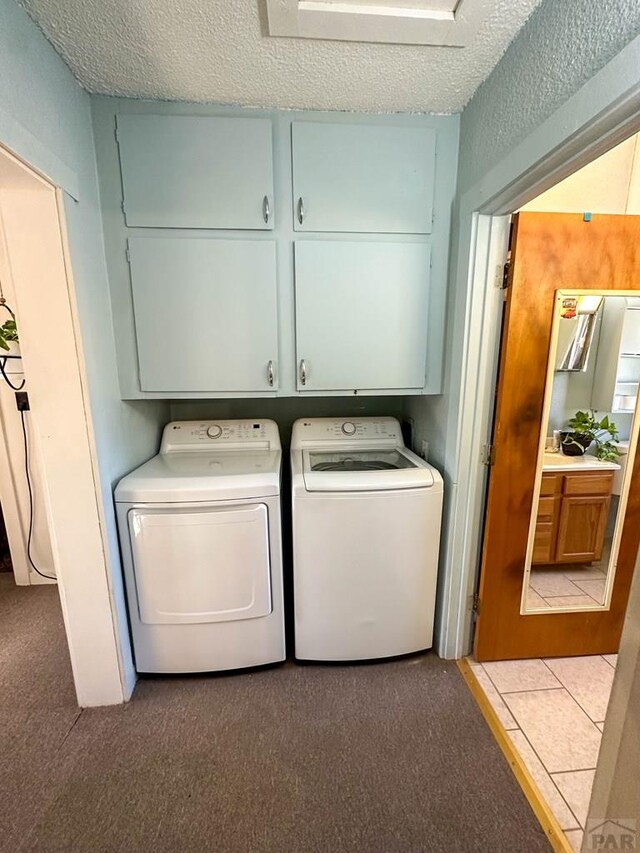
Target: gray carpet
[(384, 758)]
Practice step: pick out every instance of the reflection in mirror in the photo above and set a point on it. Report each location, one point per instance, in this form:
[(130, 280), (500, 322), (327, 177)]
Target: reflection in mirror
[(584, 458)]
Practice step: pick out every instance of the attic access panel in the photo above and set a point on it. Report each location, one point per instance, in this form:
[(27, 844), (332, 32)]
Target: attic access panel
[(443, 23)]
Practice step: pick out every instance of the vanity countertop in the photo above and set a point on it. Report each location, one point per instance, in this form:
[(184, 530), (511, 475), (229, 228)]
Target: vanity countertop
[(559, 462)]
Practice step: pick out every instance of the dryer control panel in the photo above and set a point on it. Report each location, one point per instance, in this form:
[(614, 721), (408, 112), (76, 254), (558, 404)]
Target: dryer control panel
[(202, 436)]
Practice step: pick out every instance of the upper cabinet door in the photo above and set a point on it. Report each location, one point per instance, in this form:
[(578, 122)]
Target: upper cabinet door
[(363, 178), (361, 315), (196, 171), (205, 314)]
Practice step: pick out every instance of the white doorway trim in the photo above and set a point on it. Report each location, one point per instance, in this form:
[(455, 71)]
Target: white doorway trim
[(601, 114), (33, 224)]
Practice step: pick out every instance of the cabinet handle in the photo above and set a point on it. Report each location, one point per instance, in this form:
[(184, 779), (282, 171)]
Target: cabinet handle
[(266, 209), (270, 373), (303, 372), (301, 213)]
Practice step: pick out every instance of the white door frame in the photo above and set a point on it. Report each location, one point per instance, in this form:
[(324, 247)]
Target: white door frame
[(34, 228), (599, 116)]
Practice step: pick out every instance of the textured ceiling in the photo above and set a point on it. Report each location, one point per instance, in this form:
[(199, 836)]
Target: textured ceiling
[(216, 51)]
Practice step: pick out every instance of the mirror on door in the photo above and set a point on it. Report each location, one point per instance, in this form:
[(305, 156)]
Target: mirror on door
[(584, 454)]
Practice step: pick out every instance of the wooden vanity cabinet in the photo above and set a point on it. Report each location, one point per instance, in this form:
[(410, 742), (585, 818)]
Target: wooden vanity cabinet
[(572, 517)]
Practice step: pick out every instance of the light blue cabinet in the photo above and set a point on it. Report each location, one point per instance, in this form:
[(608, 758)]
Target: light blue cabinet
[(196, 171), (205, 314), (361, 314), (216, 302), (363, 178)]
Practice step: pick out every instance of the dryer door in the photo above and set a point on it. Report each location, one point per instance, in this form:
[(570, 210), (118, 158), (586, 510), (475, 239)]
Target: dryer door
[(201, 565)]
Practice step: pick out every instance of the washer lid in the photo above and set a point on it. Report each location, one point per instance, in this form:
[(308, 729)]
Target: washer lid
[(177, 477), (364, 470)]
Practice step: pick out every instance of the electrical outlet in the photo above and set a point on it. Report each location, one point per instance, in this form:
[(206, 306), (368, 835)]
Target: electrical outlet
[(424, 449), (22, 401)]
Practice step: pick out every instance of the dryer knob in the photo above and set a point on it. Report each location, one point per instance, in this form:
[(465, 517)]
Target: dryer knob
[(214, 431), (348, 428)]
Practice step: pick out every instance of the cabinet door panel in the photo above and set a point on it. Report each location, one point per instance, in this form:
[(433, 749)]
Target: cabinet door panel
[(543, 544), (205, 313), (196, 171), (581, 529), (361, 314), (363, 178)]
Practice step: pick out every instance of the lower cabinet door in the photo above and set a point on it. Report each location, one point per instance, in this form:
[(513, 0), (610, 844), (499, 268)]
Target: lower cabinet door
[(581, 529), (361, 314), (205, 314)]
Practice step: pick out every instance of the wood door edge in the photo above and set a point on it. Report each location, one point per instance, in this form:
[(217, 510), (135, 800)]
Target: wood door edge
[(539, 806)]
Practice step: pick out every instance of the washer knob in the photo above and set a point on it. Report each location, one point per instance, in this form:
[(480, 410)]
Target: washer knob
[(214, 431), (348, 428)]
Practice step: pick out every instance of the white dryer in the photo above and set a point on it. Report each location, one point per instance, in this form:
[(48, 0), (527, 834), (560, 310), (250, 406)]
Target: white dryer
[(200, 533), (366, 532)]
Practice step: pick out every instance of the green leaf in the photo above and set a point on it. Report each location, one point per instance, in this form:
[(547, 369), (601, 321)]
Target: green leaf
[(9, 331)]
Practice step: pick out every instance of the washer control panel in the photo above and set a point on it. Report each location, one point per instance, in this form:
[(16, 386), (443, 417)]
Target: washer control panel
[(223, 435), (356, 429)]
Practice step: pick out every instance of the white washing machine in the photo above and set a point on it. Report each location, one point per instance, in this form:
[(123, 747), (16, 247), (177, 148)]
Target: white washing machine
[(366, 532), (200, 532)]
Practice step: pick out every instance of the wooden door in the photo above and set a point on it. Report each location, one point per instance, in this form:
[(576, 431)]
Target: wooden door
[(196, 171), (363, 178), (206, 314), (361, 315), (549, 252)]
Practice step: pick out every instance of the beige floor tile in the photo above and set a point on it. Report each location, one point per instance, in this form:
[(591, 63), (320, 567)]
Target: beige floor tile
[(594, 588), (570, 600), (575, 839), (511, 675), (497, 703), (576, 788), (588, 680), (558, 729), (612, 660), (547, 788), (577, 574), (535, 601), (548, 582)]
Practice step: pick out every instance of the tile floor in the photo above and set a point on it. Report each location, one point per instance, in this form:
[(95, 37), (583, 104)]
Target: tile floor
[(572, 586), (553, 711)]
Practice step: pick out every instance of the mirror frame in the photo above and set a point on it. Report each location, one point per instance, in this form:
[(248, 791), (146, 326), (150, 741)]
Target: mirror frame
[(626, 483)]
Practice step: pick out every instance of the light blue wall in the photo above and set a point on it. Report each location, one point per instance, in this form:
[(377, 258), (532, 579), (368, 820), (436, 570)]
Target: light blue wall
[(561, 46), (45, 119)]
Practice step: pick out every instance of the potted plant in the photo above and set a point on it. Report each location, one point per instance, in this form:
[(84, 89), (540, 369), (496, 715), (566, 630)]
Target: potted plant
[(9, 342), (584, 430)]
